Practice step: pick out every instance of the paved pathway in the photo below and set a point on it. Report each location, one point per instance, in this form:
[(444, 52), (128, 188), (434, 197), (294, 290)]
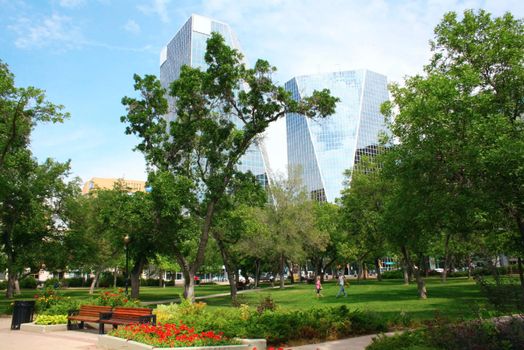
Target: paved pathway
[(20, 340), (177, 300)]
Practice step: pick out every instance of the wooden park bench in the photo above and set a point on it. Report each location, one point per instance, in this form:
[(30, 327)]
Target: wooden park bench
[(126, 315), (87, 313)]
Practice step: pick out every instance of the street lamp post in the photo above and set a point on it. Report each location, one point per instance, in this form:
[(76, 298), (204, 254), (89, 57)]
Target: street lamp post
[(126, 244)]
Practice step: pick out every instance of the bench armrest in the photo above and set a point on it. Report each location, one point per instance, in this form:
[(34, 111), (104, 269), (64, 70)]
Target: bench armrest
[(72, 312), (147, 319), (105, 315)]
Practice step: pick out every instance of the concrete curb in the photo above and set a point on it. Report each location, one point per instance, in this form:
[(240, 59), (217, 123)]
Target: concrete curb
[(37, 328), (108, 342)]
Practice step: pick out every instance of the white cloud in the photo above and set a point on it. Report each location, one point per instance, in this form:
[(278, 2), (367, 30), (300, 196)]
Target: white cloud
[(54, 31), (72, 3), (156, 7), (302, 37), (132, 27)]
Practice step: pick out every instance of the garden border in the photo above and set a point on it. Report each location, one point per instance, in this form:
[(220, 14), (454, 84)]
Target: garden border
[(38, 328), (108, 342)]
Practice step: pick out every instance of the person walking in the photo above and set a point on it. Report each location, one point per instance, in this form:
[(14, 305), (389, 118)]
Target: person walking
[(341, 283), (318, 287)]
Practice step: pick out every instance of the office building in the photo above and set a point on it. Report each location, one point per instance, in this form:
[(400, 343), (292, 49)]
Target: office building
[(188, 47), (99, 183), (324, 149)]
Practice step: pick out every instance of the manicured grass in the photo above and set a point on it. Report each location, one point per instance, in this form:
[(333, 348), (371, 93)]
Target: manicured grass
[(458, 298)]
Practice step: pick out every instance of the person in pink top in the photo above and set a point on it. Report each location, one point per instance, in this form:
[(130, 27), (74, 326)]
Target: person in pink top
[(318, 287)]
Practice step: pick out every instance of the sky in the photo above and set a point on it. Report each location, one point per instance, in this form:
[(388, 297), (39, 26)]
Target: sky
[(84, 53)]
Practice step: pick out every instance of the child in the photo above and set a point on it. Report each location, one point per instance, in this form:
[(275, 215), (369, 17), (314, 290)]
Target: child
[(318, 287)]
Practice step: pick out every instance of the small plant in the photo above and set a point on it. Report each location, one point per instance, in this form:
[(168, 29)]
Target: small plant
[(46, 299), (171, 335), (115, 298), (51, 319), (266, 303)]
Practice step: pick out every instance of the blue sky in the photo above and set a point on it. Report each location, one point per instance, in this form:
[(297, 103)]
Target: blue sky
[(85, 52)]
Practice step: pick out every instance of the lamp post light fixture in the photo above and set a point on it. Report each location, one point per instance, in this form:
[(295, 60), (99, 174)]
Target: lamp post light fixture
[(127, 239)]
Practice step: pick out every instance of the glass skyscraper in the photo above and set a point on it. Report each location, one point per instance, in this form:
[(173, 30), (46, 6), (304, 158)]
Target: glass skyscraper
[(323, 149), (188, 47)]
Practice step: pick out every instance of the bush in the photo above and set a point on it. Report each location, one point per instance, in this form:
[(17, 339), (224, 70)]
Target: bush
[(500, 333), (150, 282), (62, 307), (504, 296), (393, 274), (28, 283), (115, 298), (107, 279), (52, 283), (3, 285), (76, 282), (46, 299), (51, 319)]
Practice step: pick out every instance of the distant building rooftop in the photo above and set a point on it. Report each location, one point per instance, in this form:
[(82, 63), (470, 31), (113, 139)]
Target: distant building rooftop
[(107, 184)]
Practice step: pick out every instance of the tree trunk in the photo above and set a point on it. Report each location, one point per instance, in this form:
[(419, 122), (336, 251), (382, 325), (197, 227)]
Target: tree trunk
[(94, 282), (290, 268), (446, 258), (282, 264), (189, 285), (405, 263), (377, 268), (257, 272), (161, 278), (11, 279), (134, 274), (17, 287), (469, 267), (521, 274), (115, 274), (231, 267), (421, 284), (233, 291)]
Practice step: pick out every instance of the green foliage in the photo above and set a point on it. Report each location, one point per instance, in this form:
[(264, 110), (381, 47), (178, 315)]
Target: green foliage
[(195, 157), (115, 298), (505, 294), (62, 307), (277, 326), (51, 319), (393, 274), (46, 299), (266, 304), (499, 333), (28, 282)]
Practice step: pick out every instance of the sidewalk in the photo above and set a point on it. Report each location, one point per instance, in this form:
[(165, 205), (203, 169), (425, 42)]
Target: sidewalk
[(357, 343), (66, 340)]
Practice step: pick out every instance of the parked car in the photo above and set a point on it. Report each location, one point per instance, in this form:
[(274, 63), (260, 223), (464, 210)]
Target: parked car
[(266, 277)]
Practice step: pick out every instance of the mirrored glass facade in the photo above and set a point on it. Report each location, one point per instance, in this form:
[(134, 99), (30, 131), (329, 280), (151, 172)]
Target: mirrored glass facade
[(323, 149), (188, 47)]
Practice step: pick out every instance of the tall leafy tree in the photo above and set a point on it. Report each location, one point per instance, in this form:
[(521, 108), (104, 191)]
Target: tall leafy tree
[(30, 193), (220, 111), (460, 133)]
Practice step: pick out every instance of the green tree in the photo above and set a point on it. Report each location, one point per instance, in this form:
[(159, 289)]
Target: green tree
[(460, 135), (30, 193), (220, 112), (362, 207), (290, 218)]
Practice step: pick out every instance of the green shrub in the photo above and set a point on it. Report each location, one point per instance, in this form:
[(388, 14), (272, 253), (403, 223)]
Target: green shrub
[(504, 296), (150, 282), (3, 285), (393, 274), (115, 298), (28, 282), (502, 333), (62, 307), (76, 282), (46, 299), (107, 279), (52, 283), (51, 319)]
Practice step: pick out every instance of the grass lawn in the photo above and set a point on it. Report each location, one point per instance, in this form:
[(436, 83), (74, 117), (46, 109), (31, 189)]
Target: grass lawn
[(458, 298)]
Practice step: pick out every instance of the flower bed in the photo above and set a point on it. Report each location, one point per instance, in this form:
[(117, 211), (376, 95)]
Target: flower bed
[(171, 335)]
